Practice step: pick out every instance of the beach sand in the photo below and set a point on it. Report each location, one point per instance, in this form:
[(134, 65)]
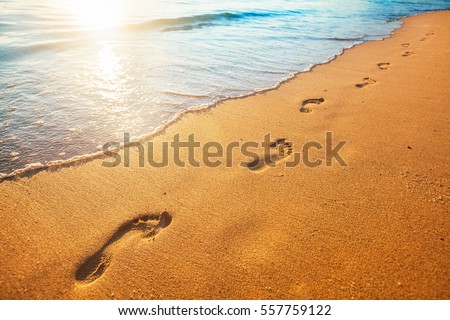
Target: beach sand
[(377, 228)]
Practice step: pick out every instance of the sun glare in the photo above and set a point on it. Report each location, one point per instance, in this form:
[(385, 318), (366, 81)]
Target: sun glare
[(96, 14)]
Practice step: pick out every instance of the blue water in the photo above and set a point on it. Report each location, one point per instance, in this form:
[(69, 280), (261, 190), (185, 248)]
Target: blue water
[(76, 74)]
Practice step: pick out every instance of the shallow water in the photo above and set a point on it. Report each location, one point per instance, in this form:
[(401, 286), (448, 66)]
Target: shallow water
[(76, 74)]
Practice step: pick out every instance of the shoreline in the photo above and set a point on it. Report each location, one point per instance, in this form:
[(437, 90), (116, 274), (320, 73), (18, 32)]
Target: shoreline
[(53, 165), (376, 229)]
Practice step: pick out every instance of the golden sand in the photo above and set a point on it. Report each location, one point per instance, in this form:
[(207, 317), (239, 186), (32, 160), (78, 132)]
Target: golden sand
[(375, 229)]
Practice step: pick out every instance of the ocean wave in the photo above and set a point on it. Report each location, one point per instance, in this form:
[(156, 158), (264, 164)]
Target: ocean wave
[(185, 23), (347, 38), (15, 52), (203, 20), (355, 38), (186, 95)]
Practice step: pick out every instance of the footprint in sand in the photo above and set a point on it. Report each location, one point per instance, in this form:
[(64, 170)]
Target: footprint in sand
[(405, 45), (367, 82), (307, 104), (143, 227), (284, 149), (383, 65), (407, 53), (427, 34)]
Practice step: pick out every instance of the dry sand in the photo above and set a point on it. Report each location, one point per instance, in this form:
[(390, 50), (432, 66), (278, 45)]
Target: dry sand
[(376, 229)]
